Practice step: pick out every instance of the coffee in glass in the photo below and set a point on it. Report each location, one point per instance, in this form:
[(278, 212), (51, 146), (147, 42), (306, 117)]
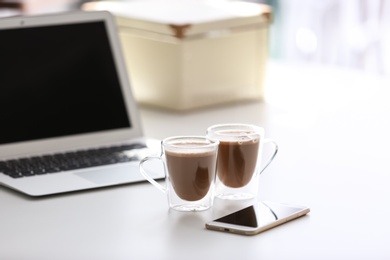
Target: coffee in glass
[(190, 168), (239, 159)]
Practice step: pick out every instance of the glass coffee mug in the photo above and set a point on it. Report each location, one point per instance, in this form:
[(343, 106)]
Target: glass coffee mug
[(239, 159), (190, 170)]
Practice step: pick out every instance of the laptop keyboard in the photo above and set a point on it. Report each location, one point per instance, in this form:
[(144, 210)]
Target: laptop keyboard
[(54, 163)]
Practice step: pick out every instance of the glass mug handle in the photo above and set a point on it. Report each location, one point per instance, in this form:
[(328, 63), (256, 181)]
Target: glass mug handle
[(146, 175), (276, 147)]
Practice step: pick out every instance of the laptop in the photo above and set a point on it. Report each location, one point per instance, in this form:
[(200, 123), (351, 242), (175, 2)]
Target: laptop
[(68, 118)]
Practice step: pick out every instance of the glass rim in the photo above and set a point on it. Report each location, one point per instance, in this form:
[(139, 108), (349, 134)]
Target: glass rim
[(207, 141), (214, 128)]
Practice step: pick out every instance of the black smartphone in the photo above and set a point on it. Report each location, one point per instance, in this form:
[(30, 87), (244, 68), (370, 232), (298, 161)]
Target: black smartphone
[(257, 218)]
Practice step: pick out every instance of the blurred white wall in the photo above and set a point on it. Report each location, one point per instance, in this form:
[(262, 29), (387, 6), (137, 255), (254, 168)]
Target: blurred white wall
[(347, 33)]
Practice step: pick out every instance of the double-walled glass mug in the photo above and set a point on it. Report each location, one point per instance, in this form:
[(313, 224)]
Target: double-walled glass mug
[(239, 159), (190, 170)]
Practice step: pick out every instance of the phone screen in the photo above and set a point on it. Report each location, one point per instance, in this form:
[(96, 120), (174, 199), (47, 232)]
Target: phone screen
[(257, 218)]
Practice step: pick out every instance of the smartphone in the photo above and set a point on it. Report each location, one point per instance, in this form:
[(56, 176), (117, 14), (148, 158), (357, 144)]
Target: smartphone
[(257, 218)]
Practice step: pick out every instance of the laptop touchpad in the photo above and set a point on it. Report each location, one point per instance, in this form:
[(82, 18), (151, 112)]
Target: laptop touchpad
[(112, 175)]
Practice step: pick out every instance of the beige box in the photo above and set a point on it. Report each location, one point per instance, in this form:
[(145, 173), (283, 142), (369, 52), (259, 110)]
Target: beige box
[(189, 54)]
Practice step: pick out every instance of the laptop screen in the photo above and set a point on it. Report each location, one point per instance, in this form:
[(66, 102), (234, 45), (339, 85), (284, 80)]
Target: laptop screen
[(58, 81)]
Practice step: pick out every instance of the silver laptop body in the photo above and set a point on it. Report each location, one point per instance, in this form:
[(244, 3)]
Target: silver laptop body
[(64, 88)]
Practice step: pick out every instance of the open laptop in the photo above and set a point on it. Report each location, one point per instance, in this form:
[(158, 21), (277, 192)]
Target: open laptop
[(68, 118)]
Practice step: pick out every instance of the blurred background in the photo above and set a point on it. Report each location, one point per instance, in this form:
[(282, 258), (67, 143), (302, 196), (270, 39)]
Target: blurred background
[(350, 33)]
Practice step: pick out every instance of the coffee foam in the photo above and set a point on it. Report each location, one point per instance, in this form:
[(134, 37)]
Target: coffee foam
[(241, 141), (239, 136), (190, 148)]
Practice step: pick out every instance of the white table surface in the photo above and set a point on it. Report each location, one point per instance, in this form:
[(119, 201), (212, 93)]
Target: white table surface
[(333, 130)]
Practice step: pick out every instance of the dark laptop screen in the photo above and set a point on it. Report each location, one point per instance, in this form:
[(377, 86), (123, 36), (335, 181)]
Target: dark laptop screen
[(58, 81)]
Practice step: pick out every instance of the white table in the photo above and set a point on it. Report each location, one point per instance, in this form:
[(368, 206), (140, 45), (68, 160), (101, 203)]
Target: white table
[(334, 135)]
